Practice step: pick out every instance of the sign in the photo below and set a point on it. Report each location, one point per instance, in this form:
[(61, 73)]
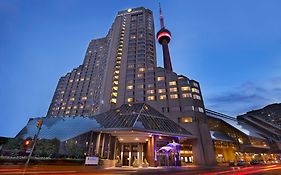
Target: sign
[(91, 161)]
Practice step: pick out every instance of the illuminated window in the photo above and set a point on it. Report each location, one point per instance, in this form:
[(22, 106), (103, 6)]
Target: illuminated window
[(173, 89), (113, 100), (195, 90), (62, 92), (162, 97), (186, 119), (82, 79), (72, 99), (160, 91), (81, 107), (115, 88), (174, 96), (69, 107), (70, 81), (140, 75), (150, 91), (200, 109), (77, 79), (141, 69), (197, 97), (114, 94), (115, 82), (84, 98), (240, 140), (63, 107), (172, 83), (185, 88), (130, 100), (116, 77), (74, 107), (130, 87), (151, 98), (186, 95), (117, 72), (67, 112), (160, 78)]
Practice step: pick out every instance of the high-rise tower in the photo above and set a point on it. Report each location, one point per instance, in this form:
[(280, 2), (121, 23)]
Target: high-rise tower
[(164, 37), (121, 69)]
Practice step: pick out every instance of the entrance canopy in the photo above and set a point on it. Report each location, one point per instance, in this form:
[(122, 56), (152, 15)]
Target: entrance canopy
[(136, 117)]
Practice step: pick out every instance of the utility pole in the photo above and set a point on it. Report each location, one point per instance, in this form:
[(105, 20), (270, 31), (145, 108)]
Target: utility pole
[(39, 125)]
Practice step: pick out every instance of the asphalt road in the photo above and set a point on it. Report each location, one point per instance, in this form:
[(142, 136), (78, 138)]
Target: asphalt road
[(88, 170)]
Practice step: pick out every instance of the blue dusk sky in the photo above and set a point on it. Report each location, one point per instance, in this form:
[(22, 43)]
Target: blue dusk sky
[(233, 48)]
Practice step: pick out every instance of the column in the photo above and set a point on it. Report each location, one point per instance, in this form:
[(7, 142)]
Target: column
[(98, 143)]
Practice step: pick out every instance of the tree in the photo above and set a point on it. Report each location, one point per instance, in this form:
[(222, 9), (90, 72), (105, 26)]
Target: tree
[(47, 148)]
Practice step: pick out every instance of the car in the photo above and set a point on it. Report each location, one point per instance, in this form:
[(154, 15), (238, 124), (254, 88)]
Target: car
[(242, 163)]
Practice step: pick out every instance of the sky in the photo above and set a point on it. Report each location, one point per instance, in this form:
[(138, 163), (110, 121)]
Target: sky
[(233, 48)]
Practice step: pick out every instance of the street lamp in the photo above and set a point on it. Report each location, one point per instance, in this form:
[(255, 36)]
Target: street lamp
[(39, 125)]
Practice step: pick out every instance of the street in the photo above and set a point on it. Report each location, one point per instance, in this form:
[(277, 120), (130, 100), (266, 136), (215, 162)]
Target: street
[(74, 170)]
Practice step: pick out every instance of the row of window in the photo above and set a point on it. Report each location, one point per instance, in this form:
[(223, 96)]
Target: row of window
[(164, 97), (116, 72)]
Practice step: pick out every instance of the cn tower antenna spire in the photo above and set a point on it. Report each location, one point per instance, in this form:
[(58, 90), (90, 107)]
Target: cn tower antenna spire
[(161, 17), (164, 37)]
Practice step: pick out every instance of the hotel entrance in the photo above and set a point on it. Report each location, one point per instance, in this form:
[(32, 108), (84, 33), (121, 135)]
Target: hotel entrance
[(131, 153)]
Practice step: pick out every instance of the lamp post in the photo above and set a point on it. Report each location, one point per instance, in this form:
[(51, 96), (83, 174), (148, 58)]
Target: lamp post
[(39, 125)]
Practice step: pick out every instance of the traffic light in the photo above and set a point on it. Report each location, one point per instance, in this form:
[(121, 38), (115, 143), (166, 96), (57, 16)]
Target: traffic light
[(39, 123), (27, 142)]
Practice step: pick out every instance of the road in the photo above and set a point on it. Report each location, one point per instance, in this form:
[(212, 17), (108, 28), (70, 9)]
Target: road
[(88, 170)]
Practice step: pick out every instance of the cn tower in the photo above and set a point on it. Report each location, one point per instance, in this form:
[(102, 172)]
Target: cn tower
[(164, 37)]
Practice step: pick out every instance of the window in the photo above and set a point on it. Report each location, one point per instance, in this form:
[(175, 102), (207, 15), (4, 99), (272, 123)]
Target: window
[(175, 109), (165, 109), (195, 90), (162, 97), (174, 96), (185, 88), (195, 84), (140, 86), (113, 100), (185, 119), (150, 85), (150, 91), (130, 100), (161, 91), (115, 82), (200, 109), (72, 99), (197, 97), (131, 66), (130, 87), (70, 81), (141, 69), (115, 88), (172, 83), (186, 95), (173, 89), (84, 98), (140, 75), (114, 94), (151, 98), (160, 78)]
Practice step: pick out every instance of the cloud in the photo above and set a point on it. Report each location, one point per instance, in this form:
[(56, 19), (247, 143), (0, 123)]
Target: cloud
[(248, 96)]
